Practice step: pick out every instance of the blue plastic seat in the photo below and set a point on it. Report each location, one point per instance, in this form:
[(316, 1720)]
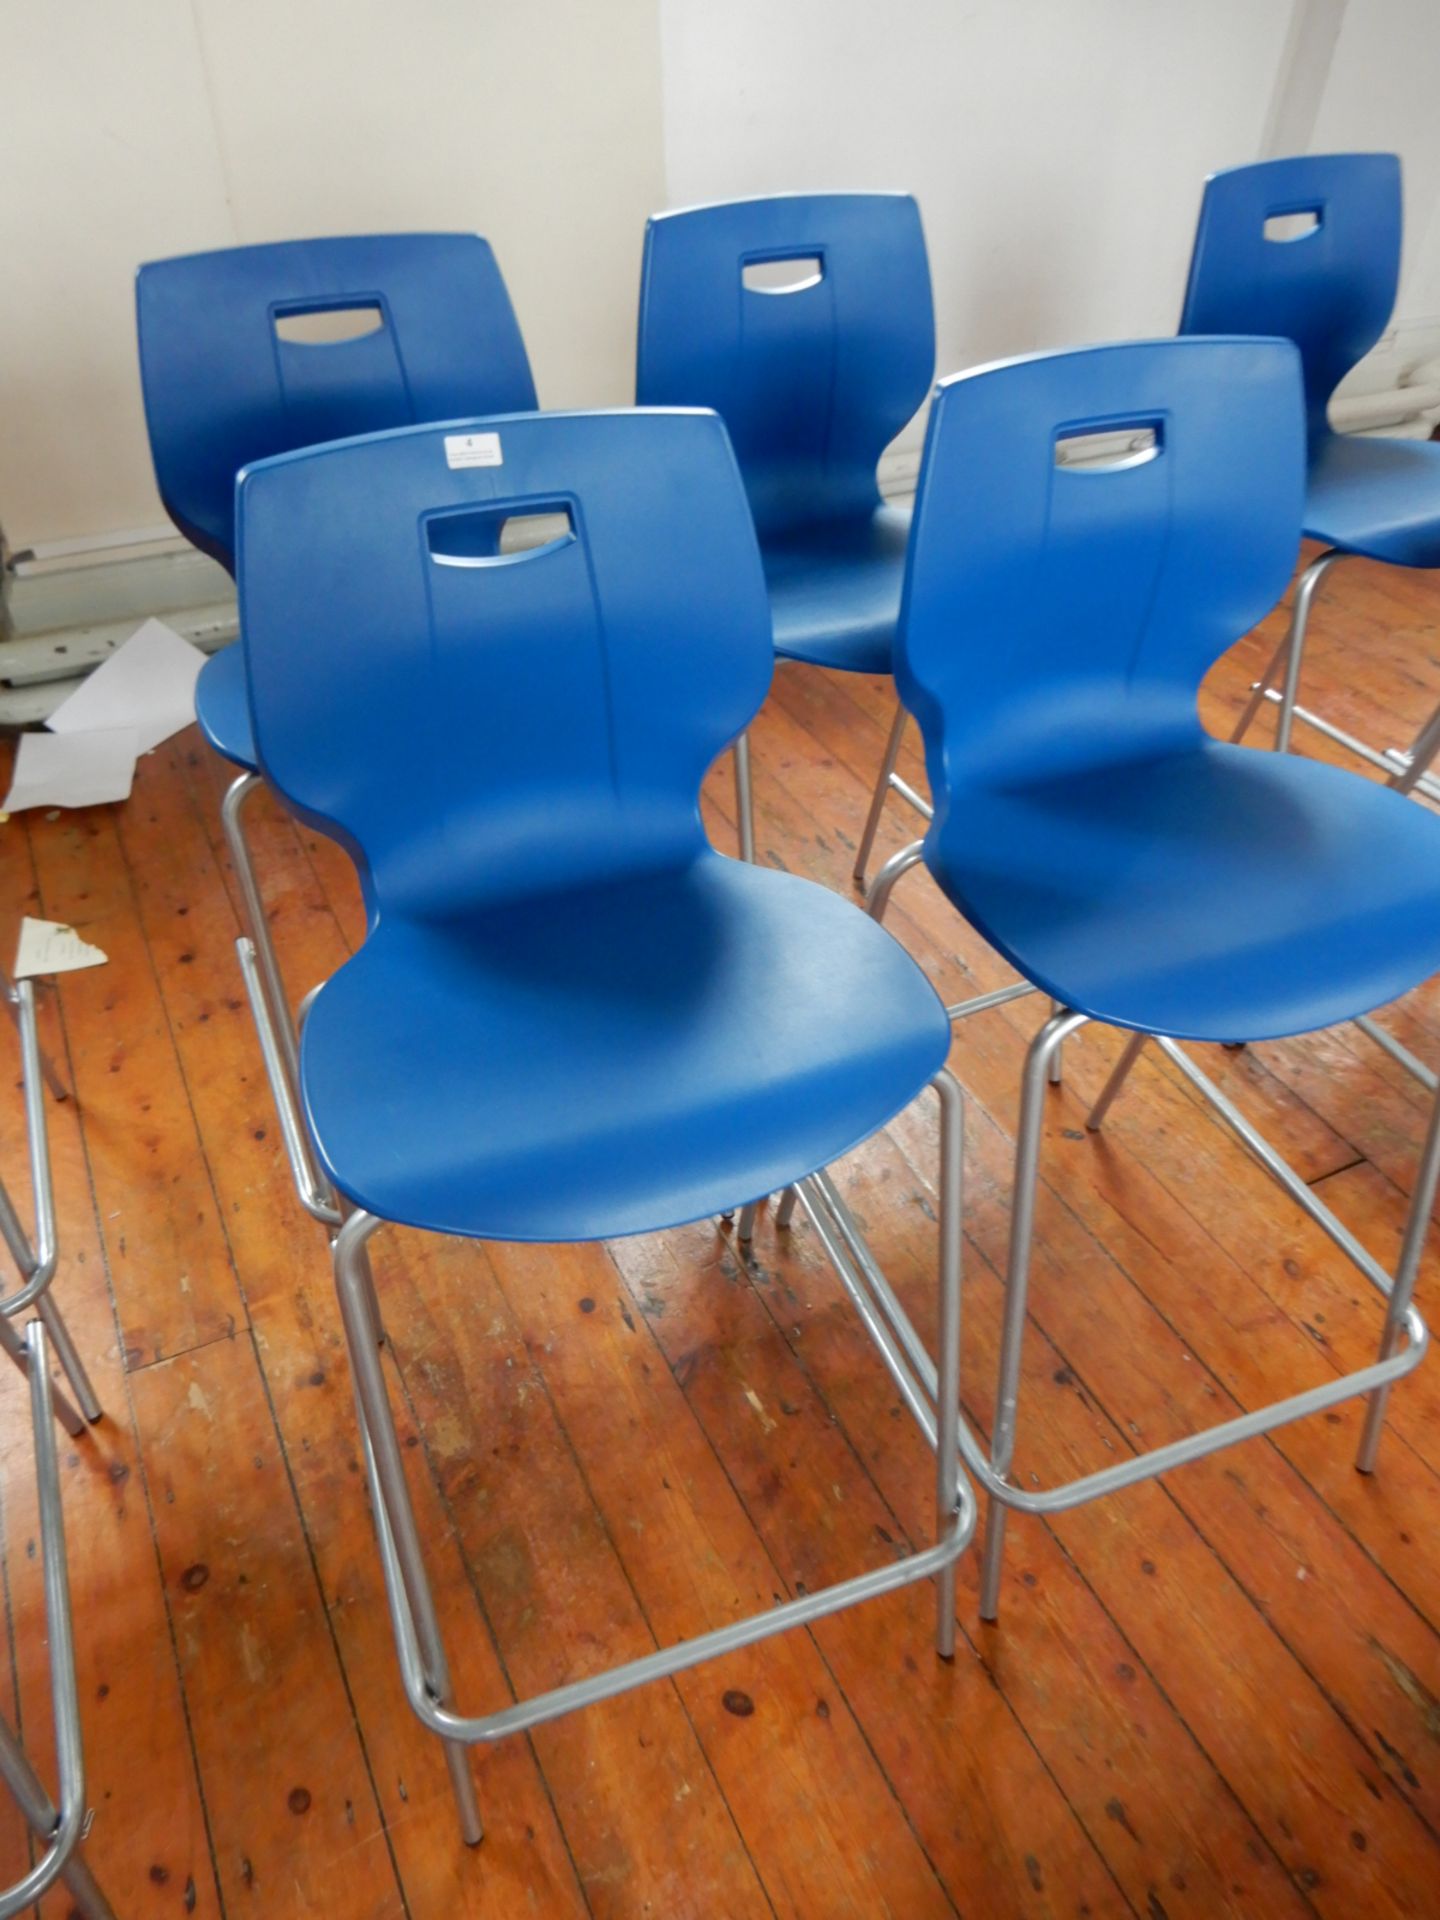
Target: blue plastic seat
[(814, 372), (1325, 276), (223, 386), (1060, 615), (1133, 867), (572, 1017), (627, 1057), (1375, 497), (1208, 892)]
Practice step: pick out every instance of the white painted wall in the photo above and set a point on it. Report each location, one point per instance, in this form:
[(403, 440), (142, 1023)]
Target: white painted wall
[(1057, 149), (133, 129), (1381, 92)]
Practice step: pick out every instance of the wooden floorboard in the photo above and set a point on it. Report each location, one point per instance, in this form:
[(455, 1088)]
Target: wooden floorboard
[(1216, 1696)]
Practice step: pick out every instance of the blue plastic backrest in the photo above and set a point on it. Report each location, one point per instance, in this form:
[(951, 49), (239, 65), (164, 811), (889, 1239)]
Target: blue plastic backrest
[(480, 725), (1330, 289), (222, 388), (1059, 616), (814, 381)]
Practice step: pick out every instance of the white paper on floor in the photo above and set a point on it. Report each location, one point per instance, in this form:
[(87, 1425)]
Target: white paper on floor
[(72, 769), (148, 684), (48, 947)]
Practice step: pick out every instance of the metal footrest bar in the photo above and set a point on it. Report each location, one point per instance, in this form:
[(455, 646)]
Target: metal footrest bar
[(1278, 1168), (934, 1404), (907, 792), (1411, 1062), (665, 1661), (60, 1829), (313, 1192), (1390, 760), (1412, 1337), (1195, 1446), (982, 1002)]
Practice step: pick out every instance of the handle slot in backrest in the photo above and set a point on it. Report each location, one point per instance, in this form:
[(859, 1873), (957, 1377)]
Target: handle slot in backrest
[(781, 272), (326, 324), (499, 533), (1294, 223), (1108, 446)]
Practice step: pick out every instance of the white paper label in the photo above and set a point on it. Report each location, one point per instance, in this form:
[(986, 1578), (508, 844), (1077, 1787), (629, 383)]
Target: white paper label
[(473, 450), (46, 946)]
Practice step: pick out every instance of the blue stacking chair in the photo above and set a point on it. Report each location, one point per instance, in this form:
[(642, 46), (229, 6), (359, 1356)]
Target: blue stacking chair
[(1309, 249), (420, 328), (1058, 622), (571, 1017), (806, 321)]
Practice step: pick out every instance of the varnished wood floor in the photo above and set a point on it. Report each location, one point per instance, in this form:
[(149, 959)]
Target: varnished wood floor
[(1214, 1697)]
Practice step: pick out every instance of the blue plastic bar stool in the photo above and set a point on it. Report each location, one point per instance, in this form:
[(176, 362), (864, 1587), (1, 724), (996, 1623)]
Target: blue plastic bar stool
[(806, 321), (254, 351), (1309, 249), (571, 1019), (1058, 622)]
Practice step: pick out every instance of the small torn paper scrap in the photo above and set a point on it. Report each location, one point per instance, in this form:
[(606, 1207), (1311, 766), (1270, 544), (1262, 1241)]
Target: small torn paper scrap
[(48, 947), (148, 684), (72, 769)]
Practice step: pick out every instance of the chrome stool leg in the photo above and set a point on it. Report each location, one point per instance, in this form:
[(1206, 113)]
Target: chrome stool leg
[(745, 1231), (785, 1212), (1017, 1281), (49, 1071), (260, 928), (894, 869), (1417, 1227), (14, 1344), (1422, 751), (947, 1398), (29, 1794), (1259, 691), (1057, 1067), (1119, 1074), (37, 1263), (744, 798), (232, 820), (878, 798), (930, 1392), (60, 1829), (275, 1026), (1292, 650), (377, 1428)]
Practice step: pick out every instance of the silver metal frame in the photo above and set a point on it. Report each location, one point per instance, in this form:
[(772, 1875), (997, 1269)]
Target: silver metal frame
[(744, 798), (1407, 769), (1402, 1344), (887, 781), (275, 1027), (37, 1263), (932, 1396), (61, 1829)]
